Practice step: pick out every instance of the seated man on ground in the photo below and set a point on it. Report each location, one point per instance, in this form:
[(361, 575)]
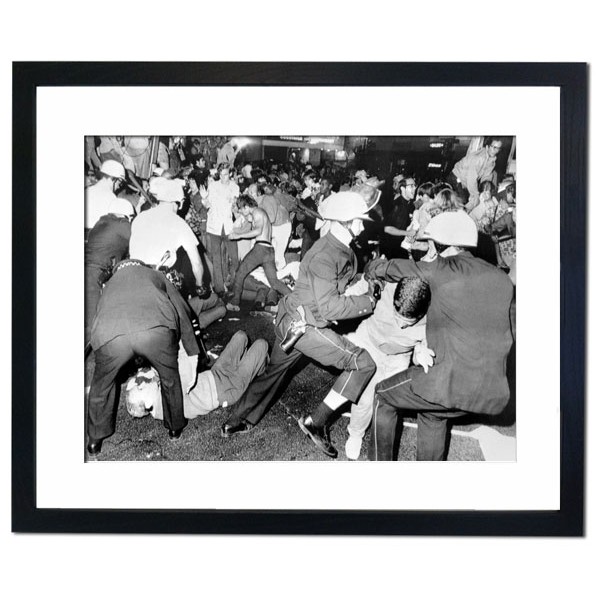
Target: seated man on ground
[(390, 334), (222, 385)]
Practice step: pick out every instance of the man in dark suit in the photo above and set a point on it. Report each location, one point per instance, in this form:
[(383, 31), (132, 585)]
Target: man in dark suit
[(140, 313), (468, 332), (397, 222)]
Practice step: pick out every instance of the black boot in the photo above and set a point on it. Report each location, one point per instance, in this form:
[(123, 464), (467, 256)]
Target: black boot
[(318, 435), (94, 447)]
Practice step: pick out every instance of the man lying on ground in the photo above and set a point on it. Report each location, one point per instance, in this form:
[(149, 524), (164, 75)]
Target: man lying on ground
[(222, 385)]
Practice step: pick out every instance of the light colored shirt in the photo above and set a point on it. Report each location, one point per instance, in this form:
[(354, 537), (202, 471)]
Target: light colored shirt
[(219, 203), (226, 154), (277, 214), (156, 231), (202, 398), (474, 168), (100, 201), (484, 213), (383, 330)]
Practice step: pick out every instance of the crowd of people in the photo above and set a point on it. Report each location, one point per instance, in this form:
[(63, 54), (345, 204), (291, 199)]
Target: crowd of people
[(426, 270)]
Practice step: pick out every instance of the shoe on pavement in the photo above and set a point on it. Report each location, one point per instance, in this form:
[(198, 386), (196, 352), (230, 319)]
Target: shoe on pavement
[(318, 436), (232, 307), (229, 429), (353, 446)]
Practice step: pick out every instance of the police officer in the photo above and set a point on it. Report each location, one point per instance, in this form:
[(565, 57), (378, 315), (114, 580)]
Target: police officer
[(140, 313), (107, 244), (318, 300), (469, 331)]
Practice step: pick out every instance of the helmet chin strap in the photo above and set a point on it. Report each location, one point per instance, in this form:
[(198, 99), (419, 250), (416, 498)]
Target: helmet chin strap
[(354, 241), (348, 228)]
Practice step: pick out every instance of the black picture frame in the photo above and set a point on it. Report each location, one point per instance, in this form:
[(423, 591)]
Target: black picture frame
[(571, 78)]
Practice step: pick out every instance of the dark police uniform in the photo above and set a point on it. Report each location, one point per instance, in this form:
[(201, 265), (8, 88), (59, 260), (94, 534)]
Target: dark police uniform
[(325, 272), (140, 313), (469, 328), (106, 245)]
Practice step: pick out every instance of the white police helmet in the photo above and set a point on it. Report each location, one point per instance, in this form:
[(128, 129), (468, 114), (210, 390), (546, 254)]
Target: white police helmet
[(344, 206), (113, 168), (452, 228)]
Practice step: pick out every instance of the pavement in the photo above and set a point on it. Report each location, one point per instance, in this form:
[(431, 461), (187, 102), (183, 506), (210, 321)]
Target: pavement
[(277, 437)]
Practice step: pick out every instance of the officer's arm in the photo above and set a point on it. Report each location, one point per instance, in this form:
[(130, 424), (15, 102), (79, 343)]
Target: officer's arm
[(399, 267), (332, 305), (395, 269), (184, 312)]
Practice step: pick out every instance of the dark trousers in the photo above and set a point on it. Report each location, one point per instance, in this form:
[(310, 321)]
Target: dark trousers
[(160, 346), (394, 395), (224, 256), (262, 255), (258, 292), (207, 310), (322, 345), (93, 290)]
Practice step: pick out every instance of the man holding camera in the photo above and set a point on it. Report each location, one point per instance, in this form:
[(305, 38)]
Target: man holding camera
[(303, 326)]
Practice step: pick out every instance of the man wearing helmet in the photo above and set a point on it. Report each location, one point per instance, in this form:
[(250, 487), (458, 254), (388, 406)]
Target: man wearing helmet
[(468, 331), (318, 300), (158, 233), (100, 198)]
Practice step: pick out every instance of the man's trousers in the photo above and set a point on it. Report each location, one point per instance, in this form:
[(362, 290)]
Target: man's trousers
[(262, 255), (159, 346), (395, 395), (323, 346), (224, 256)]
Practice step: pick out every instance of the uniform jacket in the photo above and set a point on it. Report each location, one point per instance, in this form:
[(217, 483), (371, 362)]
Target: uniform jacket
[(108, 241), (468, 327), (325, 272), (138, 298)]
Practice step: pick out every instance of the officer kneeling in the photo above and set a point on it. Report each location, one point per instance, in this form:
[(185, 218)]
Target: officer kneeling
[(468, 329)]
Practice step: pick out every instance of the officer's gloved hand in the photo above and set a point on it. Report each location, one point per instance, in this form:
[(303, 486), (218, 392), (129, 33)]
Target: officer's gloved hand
[(375, 287)]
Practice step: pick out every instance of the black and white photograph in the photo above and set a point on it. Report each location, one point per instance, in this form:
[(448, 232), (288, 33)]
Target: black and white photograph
[(305, 297)]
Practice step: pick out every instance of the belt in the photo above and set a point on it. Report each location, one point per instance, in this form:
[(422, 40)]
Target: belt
[(264, 243)]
